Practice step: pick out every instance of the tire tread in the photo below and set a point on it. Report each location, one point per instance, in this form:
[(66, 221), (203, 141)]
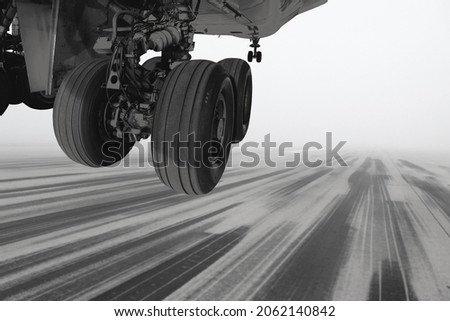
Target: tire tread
[(67, 120)]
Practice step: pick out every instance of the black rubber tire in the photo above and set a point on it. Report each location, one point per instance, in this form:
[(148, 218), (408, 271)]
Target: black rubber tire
[(78, 118), (194, 93), (250, 56), (241, 75), (15, 68), (19, 89), (259, 56), (4, 91), (37, 100)]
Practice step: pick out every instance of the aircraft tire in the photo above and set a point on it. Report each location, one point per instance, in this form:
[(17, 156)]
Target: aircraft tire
[(19, 88), (4, 90), (39, 101), (36, 100), (241, 75), (79, 118), (193, 127), (14, 65), (259, 57)]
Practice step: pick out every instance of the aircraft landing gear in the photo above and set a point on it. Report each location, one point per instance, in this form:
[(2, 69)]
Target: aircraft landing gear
[(255, 53), (14, 84), (83, 115), (192, 109)]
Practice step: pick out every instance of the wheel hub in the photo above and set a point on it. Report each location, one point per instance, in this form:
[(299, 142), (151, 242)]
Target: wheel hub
[(219, 122), (219, 129)]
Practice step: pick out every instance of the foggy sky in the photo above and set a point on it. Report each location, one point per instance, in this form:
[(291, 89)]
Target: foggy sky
[(376, 73)]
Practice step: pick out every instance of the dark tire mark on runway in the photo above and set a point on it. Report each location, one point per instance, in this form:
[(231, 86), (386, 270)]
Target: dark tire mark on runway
[(287, 194), (27, 261), (20, 179), (5, 293), (38, 164), (390, 281), (434, 190), (310, 273), (98, 182), (291, 188), (415, 167), (159, 282), (35, 226), (25, 228), (381, 172), (315, 265), (273, 174), (73, 195), (388, 285)]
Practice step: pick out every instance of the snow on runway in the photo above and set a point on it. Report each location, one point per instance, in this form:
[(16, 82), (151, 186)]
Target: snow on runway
[(377, 230)]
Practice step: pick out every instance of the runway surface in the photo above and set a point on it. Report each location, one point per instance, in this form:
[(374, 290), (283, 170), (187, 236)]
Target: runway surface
[(376, 230)]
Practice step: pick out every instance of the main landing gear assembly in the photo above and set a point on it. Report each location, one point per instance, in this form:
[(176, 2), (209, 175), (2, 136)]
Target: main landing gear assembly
[(14, 86), (255, 53), (193, 110)]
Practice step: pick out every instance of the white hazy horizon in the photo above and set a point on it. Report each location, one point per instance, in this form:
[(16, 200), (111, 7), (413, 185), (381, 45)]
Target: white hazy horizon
[(375, 73)]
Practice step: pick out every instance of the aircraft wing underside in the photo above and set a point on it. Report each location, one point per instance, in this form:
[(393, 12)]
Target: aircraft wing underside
[(244, 18)]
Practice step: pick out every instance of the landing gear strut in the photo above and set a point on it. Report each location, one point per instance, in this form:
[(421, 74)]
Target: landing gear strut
[(255, 53)]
